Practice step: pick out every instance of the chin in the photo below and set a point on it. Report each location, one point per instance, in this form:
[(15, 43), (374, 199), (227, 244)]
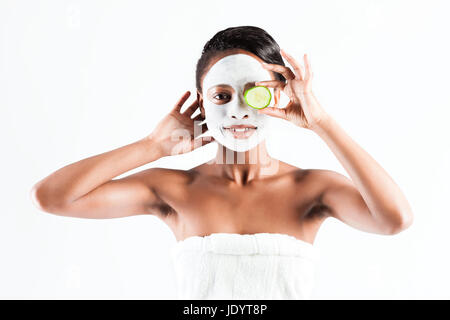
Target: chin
[(240, 145)]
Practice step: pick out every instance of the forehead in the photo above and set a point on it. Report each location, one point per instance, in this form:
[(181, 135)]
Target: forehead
[(235, 70)]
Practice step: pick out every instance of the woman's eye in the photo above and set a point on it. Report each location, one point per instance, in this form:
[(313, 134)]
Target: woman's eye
[(223, 95)]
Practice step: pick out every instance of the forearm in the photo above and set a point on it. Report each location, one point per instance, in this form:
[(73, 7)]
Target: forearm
[(381, 194), (77, 179)]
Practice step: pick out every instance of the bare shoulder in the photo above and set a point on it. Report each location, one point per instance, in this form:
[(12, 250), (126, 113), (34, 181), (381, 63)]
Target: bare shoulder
[(165, 179), (322, 177), (315, 184), (329, 179), (307, 182), (323, 183), (164, 173), (168, 187), (323, 180), (306, 187)]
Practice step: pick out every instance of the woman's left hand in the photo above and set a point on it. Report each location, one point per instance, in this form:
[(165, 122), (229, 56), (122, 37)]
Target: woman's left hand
[(303, 109)]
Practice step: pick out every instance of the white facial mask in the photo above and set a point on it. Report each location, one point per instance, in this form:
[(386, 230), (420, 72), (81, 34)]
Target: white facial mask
[(236, 71)]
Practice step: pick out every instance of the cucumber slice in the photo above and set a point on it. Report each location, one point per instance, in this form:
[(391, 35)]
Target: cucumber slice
[(258, 97)]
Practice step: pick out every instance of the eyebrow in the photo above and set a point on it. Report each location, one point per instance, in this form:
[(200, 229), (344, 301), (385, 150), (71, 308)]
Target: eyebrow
[(227, 85)]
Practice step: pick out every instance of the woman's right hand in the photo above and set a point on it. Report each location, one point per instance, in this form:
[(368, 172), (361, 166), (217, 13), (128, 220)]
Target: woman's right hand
[(174, 134)]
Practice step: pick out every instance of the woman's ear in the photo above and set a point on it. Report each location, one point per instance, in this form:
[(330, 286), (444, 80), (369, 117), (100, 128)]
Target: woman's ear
[(200, 103)]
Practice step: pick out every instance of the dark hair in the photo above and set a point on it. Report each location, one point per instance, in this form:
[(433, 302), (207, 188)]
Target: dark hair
[(249, 38)]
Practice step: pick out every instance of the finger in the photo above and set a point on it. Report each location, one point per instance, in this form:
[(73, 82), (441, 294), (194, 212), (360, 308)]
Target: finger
[(285, 71), (274, 112), (297, 67), (308, 70), (271, 84), (182, 100), (191, 109)]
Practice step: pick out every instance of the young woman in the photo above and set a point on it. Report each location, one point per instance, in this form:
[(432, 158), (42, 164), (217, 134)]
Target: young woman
[(245, 222)]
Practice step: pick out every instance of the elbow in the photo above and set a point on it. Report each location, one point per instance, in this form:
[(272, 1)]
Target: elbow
[(40, 199), (404, 221), (37, 198)]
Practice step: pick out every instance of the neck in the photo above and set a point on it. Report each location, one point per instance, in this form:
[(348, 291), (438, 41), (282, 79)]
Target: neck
[(243, 167)]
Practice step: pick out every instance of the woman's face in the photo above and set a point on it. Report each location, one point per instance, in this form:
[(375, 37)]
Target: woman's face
[(224, 106)]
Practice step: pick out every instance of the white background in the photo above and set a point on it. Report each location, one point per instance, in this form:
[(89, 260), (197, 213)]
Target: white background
[(79, 78)]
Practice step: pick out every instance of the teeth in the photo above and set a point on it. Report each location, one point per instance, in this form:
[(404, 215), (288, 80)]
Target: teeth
[(239, 129)]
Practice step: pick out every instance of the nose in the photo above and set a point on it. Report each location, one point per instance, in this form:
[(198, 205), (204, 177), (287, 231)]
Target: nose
[(238, 109), (237, 117)]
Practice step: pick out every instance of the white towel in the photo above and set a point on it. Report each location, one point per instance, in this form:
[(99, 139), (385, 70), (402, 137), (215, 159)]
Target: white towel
[(244, 266)]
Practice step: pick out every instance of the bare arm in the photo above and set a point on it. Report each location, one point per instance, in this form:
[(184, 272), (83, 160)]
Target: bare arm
[(371, 201), (85, 189)]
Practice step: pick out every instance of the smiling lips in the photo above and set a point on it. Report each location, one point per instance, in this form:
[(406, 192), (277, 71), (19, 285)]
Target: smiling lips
[(241, 131)]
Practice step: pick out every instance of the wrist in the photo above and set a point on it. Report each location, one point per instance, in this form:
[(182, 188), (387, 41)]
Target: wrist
[(322, 123), (153, 149)]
